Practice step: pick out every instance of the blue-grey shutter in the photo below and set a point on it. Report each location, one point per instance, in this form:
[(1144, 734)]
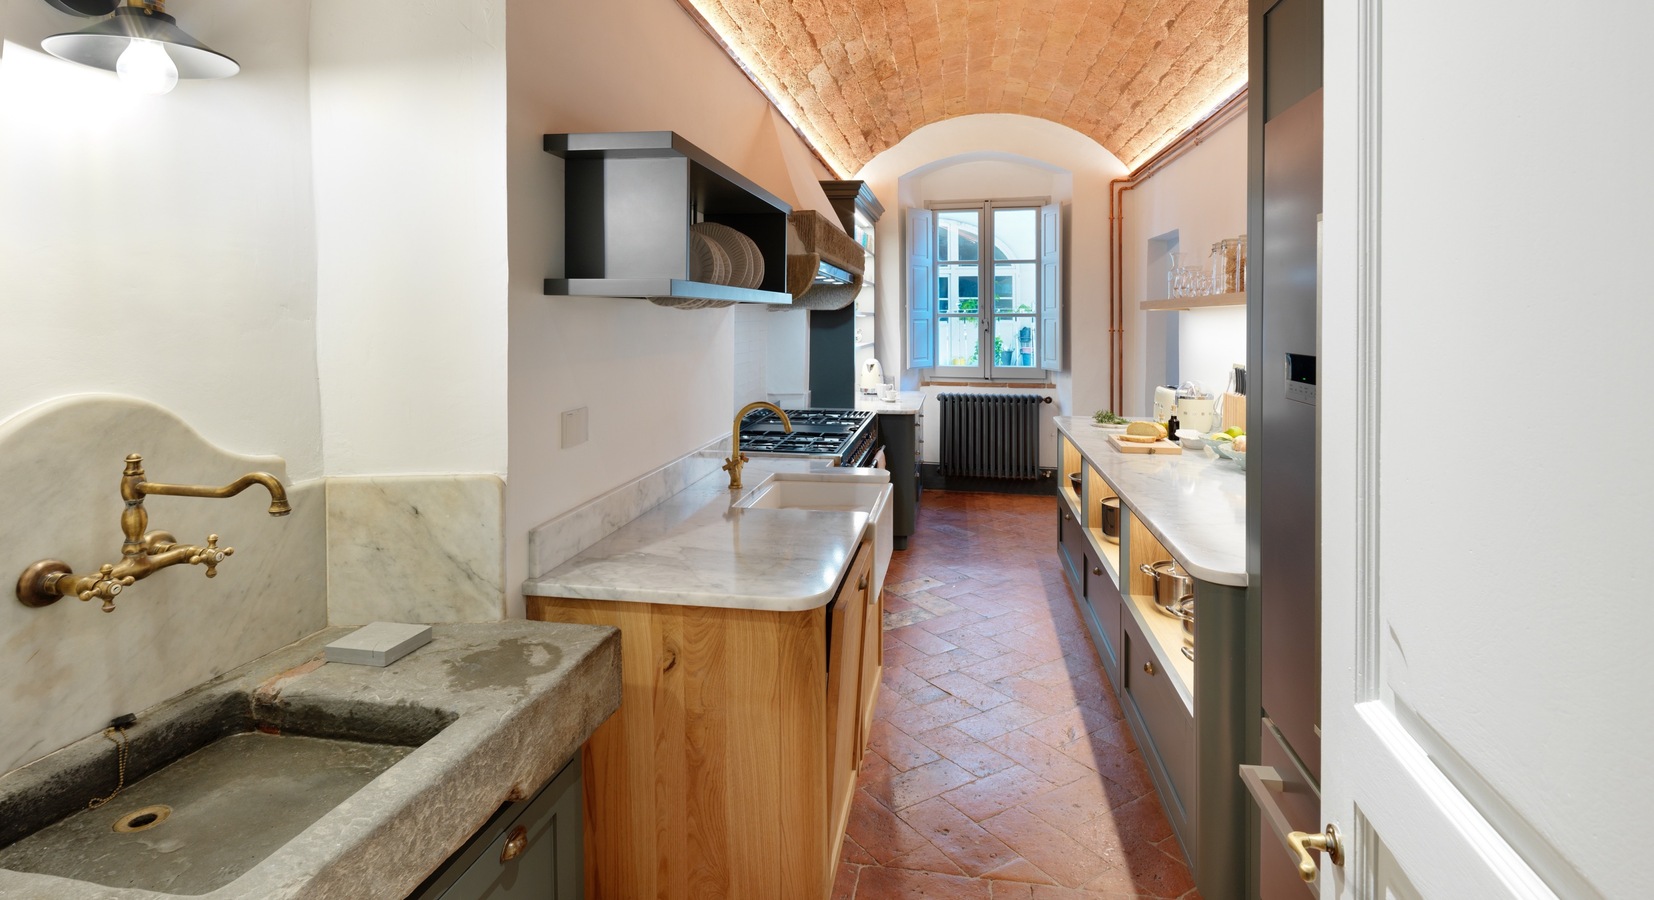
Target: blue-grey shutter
[(1050, 287), (921, 288)]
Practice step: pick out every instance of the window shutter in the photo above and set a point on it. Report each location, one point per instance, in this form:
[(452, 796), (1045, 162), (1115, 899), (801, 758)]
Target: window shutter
[(921, 288), (1050, 287)]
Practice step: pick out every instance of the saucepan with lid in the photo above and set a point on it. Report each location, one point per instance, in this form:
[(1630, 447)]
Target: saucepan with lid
[(1171, 583), (1109, 521)]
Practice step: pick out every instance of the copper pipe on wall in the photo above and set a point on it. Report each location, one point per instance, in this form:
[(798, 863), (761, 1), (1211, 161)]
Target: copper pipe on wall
[(1196, 135)]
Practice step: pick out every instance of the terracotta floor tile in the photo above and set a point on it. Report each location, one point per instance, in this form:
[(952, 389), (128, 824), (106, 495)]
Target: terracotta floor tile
[(877, 883), (990, 796), (995, 693), (897, 748), (1055, 853), (925, 782), (974, 850), (970, 754)]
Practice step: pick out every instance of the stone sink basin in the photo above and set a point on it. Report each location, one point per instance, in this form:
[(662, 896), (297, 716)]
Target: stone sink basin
[(859, 490), (292, 778)]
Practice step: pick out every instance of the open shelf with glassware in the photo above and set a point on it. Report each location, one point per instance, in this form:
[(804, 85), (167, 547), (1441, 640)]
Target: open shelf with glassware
[(1208, 301)]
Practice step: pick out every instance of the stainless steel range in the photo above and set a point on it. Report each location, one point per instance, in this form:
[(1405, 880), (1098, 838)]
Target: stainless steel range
[(849, 437)]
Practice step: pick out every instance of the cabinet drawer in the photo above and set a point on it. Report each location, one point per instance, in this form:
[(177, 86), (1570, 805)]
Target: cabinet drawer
[(1152, 697), (1071, 545), (545, 859), (1104, 599)]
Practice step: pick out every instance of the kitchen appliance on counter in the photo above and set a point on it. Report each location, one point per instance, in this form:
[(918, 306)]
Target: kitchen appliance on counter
[(1165, 402), (846, 437), (872, 376)]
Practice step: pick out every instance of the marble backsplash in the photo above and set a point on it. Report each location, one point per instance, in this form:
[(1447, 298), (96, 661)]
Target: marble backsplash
[(554, 542), (416, 549), (67, 669)]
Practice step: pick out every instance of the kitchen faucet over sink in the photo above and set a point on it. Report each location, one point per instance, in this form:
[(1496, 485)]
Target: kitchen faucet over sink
[(142, 553)]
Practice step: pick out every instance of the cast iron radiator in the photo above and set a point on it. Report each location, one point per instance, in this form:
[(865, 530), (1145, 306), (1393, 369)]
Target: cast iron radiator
[(990, 435)]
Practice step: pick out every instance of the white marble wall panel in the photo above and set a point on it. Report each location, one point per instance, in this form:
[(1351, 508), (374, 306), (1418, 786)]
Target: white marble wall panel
[(67, 669), (416, 549), (556, 541)]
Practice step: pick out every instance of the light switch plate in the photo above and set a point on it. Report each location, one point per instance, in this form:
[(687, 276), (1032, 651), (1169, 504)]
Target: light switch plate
[(574, 427), (379, 644)]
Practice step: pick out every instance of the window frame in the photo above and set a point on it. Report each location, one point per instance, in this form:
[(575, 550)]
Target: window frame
[(988, 368)]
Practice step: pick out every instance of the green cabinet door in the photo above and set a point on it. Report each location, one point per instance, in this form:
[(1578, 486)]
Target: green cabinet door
[(530, 850)]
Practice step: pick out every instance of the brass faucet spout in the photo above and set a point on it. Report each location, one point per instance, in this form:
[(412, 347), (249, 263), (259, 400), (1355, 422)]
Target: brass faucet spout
[(278, 494), (737, 459)]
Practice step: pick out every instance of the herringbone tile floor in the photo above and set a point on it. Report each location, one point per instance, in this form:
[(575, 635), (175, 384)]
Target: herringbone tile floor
[(999, 765)]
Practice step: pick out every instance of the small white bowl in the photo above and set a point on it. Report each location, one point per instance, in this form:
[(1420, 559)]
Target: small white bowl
[(1190, 438)]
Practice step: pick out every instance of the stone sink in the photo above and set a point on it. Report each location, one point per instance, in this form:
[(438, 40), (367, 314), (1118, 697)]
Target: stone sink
[(292, 778), (861, 490)]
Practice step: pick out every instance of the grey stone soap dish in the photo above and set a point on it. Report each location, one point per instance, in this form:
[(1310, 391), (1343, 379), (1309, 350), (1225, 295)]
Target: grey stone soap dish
[(379, 644)]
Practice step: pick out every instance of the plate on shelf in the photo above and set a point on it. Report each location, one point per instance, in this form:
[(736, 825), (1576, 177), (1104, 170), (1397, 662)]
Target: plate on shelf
[(746, 262), (708, 262)]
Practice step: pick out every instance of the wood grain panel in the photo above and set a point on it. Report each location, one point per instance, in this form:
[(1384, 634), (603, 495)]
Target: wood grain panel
[(729, 768)]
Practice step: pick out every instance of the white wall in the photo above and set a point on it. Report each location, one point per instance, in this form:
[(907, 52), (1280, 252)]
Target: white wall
[(1201, 197), (408, 103), (163, 247), (657, 382), (1008, 156)]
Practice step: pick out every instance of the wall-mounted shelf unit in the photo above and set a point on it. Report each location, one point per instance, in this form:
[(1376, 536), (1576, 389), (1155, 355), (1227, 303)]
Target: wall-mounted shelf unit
[(629, 200), (1207, 302)]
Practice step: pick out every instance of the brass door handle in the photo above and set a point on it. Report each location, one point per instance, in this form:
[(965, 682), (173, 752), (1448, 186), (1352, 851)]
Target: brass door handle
[(1326, 842), (861, 584), (1148, 667), (1067, 517), (517, 842), (1096, 570)]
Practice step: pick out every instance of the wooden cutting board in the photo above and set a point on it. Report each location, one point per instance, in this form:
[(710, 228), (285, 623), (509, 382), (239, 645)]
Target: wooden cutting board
[(1161, 446)]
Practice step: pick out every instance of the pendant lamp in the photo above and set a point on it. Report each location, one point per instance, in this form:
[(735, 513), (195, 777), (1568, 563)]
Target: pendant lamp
[(139, 42)]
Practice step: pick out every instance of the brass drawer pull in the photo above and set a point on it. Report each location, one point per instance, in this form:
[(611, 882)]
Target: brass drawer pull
[(861, 584), (515, 844), (1148, 667), (1067, 518), (1096, 570)]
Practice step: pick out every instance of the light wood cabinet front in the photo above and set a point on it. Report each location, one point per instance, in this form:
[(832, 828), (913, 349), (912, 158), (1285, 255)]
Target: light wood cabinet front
[(728, 768)]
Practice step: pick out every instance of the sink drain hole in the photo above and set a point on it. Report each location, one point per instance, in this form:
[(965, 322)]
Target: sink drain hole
[(143, 819)]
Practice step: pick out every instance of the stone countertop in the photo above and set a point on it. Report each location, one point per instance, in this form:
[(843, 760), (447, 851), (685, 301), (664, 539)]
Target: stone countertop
[(1192, 502), (521, 698), (907, 403), (697, 548)]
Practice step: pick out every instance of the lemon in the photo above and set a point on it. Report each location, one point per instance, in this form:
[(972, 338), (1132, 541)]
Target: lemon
[(1234, 431)]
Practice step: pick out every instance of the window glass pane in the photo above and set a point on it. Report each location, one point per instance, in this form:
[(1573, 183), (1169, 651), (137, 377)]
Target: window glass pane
[(956, 234), (1015, 343), (1016, 233), (967, 291), (957, 336), (1016, 287)]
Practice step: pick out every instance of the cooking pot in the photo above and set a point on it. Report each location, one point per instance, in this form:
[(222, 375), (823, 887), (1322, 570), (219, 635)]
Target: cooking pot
[(1171, 583), (1111, 519), (1074, 481)]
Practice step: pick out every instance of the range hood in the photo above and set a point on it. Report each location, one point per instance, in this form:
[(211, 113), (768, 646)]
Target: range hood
[(824, 267)]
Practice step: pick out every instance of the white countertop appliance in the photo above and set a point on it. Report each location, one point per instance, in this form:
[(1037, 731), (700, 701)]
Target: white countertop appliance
[(872, 377)]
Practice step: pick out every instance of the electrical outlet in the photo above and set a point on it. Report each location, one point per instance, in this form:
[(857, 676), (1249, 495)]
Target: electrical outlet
[(574, 427)]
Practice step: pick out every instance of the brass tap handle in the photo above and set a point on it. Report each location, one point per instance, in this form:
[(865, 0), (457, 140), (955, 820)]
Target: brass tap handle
[(1327, 842), (210, 556), (106, 588)]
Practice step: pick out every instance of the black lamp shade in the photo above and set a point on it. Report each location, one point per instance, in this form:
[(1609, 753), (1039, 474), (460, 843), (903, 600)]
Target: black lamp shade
[(101, 45)]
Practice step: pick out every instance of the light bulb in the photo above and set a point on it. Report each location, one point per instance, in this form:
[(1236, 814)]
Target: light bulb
[(146, 66)]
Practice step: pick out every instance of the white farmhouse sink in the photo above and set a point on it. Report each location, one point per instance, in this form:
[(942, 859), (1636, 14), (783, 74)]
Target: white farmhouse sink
[(868, 492)]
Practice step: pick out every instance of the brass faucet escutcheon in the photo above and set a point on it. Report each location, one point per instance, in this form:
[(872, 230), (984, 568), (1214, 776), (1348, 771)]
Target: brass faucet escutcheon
[(738, 459), (143, 553)]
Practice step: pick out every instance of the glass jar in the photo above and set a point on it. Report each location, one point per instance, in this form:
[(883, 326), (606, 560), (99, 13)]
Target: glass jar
[(1240, 263), (1214, 270)]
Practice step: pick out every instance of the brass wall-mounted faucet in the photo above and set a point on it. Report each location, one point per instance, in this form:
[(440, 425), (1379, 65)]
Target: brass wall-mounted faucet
[(142, 553), (738, 459)]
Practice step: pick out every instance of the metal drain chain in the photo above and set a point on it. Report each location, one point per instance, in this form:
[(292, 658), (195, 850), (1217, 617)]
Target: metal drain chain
[(121, 747)]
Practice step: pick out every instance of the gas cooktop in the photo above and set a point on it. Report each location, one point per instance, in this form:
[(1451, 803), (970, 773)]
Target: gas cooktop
[(843, 434)]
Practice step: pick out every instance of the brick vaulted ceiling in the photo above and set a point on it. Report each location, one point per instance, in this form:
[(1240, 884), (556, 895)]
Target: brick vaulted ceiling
[(857, 76)]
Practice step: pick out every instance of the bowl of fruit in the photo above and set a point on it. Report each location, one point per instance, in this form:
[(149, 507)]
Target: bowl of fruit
[(1108, 421), (1229, 443)]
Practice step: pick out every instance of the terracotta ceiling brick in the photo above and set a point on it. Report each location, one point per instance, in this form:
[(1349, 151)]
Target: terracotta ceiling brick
[(857, 76)]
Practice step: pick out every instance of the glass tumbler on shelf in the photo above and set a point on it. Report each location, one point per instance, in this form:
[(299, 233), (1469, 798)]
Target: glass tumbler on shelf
[(1214, 269)]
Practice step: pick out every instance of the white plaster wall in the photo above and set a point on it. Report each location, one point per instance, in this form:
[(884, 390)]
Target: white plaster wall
[(163, 247), (657, 382), (973, 140), (1201, 196), (408, 104)]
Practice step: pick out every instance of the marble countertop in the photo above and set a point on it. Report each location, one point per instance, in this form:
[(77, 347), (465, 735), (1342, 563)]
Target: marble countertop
[(697, 548), (906, 403), (1192, 502), (521, 696)]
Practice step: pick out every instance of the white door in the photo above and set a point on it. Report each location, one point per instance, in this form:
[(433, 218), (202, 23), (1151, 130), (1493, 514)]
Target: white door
[(1487, 289)]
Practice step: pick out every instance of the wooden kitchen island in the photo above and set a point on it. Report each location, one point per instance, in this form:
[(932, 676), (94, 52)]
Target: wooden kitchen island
[(749, 673)]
